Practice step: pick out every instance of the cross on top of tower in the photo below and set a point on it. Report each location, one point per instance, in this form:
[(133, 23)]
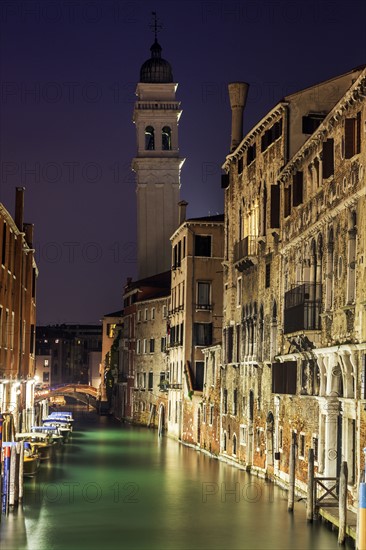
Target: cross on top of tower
[(156, 26)]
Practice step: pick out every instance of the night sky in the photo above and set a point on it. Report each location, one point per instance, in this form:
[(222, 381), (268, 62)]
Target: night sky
[(68, 73)]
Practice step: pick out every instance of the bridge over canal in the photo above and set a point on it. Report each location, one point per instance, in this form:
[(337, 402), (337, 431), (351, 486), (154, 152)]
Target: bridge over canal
[(84, 393)]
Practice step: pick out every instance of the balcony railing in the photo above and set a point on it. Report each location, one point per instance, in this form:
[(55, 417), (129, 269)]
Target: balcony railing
[(303, 308), (245, 252), (206, 307)]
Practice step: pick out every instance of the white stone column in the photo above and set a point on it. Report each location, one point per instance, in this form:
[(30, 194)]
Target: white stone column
[(331, 410)]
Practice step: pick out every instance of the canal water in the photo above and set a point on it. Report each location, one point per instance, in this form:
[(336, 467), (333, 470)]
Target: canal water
[(119, 487)]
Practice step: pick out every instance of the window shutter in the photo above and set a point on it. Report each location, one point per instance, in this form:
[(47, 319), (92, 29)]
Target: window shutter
[(349, 137), (225, 181), (328, 158), (291, 377), (358, 133), (287, 205), (275, 206), (297, 189)]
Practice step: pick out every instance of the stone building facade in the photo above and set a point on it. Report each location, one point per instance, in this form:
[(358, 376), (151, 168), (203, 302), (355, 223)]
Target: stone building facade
[(208, 438), (151, 366), (142, 388), (194, 318), (294, 283)]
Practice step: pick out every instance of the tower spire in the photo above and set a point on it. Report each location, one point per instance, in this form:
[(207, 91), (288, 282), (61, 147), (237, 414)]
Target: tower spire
[(156, 26)]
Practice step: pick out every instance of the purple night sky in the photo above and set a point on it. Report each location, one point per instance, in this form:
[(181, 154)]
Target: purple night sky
[(68, 71)]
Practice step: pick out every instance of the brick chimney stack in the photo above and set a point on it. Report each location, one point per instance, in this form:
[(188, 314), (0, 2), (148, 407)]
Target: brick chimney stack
[(238, 92), (19, 207)]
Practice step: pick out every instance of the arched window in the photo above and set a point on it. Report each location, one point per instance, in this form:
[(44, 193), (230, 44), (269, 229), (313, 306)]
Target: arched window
[(149, 138), (166, 138)]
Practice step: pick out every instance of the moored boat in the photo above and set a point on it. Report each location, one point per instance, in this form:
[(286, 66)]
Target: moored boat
[(31, 462), (39, 442)]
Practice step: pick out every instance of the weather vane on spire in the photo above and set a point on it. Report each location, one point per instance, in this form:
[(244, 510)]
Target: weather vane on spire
[(155, 26)]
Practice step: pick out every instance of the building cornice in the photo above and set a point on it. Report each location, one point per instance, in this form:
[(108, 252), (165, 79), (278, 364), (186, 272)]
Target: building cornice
[(278, 110), (323, 221), (355, 94)]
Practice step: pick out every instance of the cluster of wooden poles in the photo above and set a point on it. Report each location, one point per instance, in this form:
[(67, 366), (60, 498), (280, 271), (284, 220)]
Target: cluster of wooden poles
[(338, 491), (11, 466)]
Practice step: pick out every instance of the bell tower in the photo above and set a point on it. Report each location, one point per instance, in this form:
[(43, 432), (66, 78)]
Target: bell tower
[(157, 164)]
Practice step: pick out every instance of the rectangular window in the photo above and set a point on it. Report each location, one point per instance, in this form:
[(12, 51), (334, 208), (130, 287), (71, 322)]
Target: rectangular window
[(311, 122), (202, 334), (138, 346), (239, 292), (352, 136), (152, 313), (204, 417), (229, 340), (287, 201), (32, 340), (164, 312), (224, 401), (12, 328), (240, 165), (302, 446), (144, 350), (33, 282), (3, 253), (284, 377), (152, 345), (297, 187), (203, 295), (315, 444), (328, 158), (163, 344), (139, 315), (151, 381), (235, 402), (146, 314), (211, 415), (268, 275), (202, 245), (251, 154), (275, 205), (243, 435), (6, 328), (200, 370)]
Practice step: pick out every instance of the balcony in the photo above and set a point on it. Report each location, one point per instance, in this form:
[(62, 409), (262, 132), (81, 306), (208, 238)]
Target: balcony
[(246, 252), (204, 307), (303, 308), (174, 386)]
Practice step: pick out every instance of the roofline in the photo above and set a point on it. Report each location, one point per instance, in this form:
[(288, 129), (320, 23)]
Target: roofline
[(195, 221)]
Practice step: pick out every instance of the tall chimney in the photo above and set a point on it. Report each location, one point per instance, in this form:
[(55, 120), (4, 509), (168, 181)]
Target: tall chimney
[(182, 211), (29, 232), (238, 92), (19, 207)]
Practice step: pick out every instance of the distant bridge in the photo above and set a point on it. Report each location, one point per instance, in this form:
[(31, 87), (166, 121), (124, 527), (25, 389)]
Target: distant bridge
[(84, 393)]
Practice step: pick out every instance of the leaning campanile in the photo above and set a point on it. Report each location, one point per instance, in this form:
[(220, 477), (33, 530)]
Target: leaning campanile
[(157, 164)]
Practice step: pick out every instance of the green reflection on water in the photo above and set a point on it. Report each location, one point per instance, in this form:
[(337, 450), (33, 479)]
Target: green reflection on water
[(116, 487)]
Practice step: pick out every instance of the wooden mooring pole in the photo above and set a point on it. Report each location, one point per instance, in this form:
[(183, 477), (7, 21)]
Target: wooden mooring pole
[(310, 497), (291, 490), (343, 480)]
